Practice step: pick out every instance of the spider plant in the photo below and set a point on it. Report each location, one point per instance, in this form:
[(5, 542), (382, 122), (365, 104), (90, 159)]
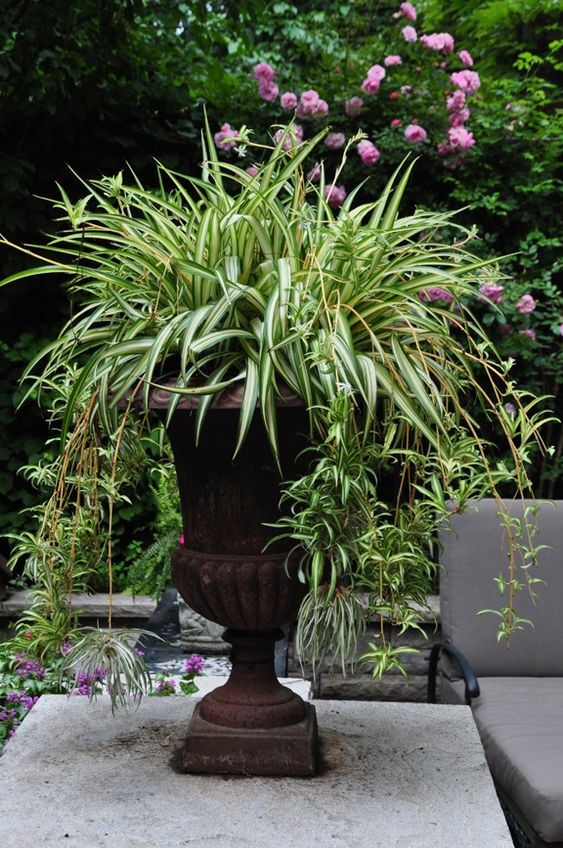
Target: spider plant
[(364, 312)]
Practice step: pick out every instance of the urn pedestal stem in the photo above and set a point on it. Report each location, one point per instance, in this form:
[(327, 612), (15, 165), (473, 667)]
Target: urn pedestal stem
[(252, 724)]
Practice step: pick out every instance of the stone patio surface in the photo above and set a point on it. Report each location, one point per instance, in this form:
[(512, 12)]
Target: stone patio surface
[(393, 776)]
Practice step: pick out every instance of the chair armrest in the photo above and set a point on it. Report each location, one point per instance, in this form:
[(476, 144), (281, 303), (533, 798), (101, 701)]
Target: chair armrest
[(471, 683)]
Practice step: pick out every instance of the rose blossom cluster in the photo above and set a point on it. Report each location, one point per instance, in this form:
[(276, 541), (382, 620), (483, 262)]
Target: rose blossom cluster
[(368, 152), (308, 105), (439, 41), (372, 82), (267, 88)]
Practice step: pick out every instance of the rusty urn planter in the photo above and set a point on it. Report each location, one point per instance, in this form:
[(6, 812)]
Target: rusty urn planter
[(252, 724)]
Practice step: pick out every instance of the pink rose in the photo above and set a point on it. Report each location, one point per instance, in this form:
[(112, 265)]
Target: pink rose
[(529, 333), (181, 538), (396, 123), (263, 72), (493, 292), (467, 81), (409, 33), (455, 100), (322, 109), (392, 60), (226, 132), (335, 195), (353, 106), (459, 117), (408, 11), (268, 91), (526, 304), (444, 149), (252, 170), (435, 293), (288, 101), (438, 41), (394, 95), (373, 79), (414, 134), (334, 141), (308, 103), (368, 152), (460, 138), (466, 58)]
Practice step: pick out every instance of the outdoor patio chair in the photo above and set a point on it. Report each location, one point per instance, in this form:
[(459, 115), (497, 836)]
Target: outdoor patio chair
[(516, 692)]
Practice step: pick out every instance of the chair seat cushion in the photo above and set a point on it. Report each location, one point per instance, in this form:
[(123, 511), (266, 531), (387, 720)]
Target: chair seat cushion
[(520, 721)]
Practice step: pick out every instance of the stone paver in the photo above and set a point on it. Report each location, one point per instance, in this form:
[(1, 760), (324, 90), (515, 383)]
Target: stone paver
[(394, 776)]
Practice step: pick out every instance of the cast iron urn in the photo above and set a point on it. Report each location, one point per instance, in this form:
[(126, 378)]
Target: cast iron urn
[(252, 724)]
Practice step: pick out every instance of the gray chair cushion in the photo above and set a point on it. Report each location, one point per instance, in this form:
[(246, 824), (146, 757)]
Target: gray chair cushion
[(472, 556), (520, 722)]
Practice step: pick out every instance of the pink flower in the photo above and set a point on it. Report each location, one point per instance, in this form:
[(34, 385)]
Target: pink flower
[(292, 136), (368, 152), (392, 60), (288, 101), (455, 100), (373, 79), (408, 11), (314, 174), (444, 149), (252, 170), (181, 539), (335, 195), (226, 132), (308, 103), (406, 89), (435, 293), (438, 41), (415, 134), (263, 72), (459, 117), (321, 110), (396, 123), (409, 33), (529, 333), (467, 81), (561, 329), (526, 304), (394, 95), (492, 291), (460, 138), (466, 58), (268, 91), (353, 106), (334, 141)]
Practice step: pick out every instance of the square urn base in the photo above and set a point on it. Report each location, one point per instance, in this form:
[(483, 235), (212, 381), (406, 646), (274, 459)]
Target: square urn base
[(289, 751)]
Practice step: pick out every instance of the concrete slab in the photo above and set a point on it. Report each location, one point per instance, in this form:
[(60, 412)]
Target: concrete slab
[(395, 776)]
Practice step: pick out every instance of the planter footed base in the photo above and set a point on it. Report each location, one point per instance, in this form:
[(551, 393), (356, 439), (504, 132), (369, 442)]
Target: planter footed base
[(289, 751)]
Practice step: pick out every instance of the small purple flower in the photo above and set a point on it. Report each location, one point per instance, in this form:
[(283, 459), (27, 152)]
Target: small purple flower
[(13, 697), (194, 663)]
